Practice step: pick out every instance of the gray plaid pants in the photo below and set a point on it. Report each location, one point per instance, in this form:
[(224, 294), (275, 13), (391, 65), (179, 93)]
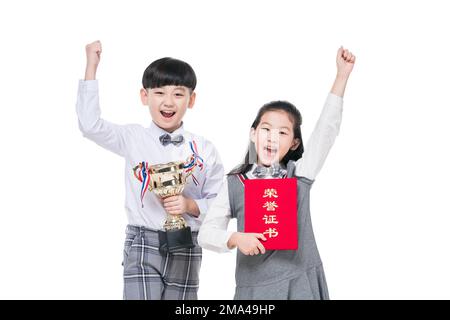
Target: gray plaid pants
[(151, 275)]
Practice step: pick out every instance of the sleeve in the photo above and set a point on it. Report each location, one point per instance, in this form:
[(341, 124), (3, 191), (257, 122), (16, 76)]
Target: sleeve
[(108, 135), (213, 180), (213, 234), (321, 139)]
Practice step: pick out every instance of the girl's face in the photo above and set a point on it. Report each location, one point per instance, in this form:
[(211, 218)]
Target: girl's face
[(273, 137)]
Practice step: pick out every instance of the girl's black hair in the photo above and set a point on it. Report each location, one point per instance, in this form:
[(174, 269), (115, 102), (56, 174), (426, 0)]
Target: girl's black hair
[(296, 118), (169, 71)]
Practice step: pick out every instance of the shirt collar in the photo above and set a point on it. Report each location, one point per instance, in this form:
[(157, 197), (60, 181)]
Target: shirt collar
[(254, 165), (250, 172), (157, 131)]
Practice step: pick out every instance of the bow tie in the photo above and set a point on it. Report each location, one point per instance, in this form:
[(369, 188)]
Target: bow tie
[(166, 139), (275, 171)]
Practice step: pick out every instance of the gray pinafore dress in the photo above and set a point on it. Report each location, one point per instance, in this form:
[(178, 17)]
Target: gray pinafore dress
[(279, 274)]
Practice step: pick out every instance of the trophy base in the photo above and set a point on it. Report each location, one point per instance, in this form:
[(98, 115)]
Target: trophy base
[(172, 240)]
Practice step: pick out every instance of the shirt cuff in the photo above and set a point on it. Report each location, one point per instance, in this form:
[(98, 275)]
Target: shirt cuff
[(88, 85), (216, 241), (334, 99), (225, 244), (202, 207)]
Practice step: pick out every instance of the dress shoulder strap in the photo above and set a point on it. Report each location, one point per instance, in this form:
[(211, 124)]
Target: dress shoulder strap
[(235, 189), (290, 167)]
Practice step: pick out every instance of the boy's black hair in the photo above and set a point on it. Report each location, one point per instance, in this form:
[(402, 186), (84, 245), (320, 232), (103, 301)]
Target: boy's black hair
[(169, 71), (296, 118)]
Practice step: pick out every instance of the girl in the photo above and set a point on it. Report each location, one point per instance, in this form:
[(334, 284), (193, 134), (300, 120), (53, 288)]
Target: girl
[(276, 151)]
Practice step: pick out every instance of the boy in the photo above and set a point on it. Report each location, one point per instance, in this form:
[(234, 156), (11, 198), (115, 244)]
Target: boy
[(168, 91)]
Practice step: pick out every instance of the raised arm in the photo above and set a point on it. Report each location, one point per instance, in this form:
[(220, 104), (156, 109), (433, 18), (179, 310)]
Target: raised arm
[(93, 52), (345, 60), (108, 135), (327, 127)]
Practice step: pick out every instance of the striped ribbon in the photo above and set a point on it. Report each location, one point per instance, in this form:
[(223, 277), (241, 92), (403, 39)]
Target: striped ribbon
[(194, 161), (141, 173)]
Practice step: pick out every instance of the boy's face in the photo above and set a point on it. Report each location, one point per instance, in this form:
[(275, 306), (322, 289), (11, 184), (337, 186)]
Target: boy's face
[(168, 105)]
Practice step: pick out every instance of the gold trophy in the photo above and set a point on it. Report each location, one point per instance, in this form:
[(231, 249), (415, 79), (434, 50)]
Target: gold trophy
[(167, 180)]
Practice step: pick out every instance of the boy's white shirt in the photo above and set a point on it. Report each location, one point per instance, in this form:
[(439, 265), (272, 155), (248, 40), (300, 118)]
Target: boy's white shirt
[(213, 233), (137, 144)]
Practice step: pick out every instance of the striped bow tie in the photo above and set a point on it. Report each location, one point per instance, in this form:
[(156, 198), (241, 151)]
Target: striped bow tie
[(275, 171), (175, 140)]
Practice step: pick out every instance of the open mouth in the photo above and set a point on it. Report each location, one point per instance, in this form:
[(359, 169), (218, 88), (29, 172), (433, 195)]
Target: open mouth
[(270, 151), (166, 114)]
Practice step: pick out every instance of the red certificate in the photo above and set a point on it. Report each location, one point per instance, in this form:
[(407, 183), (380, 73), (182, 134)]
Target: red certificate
[(271, 209)]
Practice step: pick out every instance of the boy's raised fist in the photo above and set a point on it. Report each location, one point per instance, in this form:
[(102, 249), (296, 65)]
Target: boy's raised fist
[(93, 51)]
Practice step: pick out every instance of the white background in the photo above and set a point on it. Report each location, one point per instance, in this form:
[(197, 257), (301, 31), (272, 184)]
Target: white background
[(379, 206)]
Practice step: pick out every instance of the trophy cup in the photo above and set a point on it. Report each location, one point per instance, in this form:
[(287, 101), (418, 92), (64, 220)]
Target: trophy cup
[(167, 180)]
